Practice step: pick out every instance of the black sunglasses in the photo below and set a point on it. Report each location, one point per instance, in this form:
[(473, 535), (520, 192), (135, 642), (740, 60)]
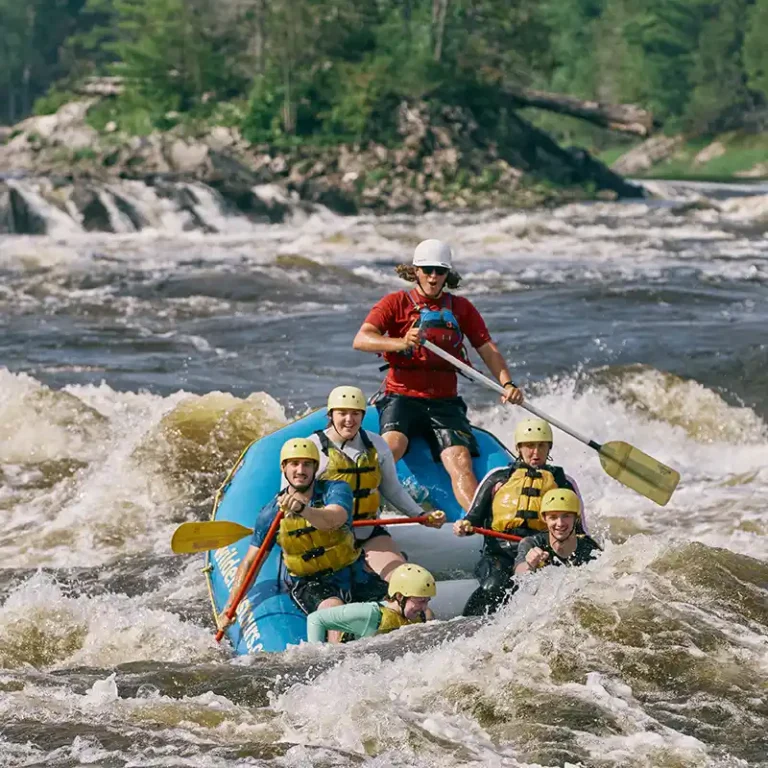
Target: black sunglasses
[(434, 270)]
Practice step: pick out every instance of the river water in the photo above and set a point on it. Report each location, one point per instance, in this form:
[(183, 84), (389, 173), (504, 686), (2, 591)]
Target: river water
[(136, 367)]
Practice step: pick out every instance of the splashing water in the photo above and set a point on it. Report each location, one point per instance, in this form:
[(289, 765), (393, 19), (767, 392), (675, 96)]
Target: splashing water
[(137, 367)]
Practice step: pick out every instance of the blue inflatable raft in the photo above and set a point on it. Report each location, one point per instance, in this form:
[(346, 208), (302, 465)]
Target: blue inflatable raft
[(268, 620)]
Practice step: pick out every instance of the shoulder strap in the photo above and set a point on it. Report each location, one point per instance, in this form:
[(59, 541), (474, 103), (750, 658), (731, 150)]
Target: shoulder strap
[(559, 474), (325, 443), (413, 301), (367, 442)]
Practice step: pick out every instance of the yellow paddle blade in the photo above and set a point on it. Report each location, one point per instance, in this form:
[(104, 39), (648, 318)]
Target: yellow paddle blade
[(205, 535), (639, 471)]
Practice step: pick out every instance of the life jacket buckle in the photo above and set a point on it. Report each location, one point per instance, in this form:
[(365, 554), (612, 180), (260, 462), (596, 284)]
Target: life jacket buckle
[(302, 531), (311, 554)]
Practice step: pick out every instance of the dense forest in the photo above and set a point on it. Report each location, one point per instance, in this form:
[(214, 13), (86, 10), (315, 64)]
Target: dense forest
[(334, 70)]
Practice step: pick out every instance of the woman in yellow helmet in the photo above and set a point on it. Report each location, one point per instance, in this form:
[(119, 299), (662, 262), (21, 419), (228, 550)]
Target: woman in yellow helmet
[(315, 534), (364, 460), (508, 500), (410, 589), (560, 544)]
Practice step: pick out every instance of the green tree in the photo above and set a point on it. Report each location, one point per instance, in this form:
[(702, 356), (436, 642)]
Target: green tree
[(33, 33), (756, 47), (174, 54), (718, 77)]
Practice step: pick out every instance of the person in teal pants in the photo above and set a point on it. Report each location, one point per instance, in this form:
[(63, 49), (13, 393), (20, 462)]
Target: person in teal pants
[(410, 589)]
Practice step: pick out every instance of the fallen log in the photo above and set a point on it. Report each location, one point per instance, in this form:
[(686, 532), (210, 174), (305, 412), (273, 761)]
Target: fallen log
[(99, 86), (627, 118)]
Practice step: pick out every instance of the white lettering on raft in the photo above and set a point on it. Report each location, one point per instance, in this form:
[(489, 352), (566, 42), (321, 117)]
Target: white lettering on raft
[(227, 561)]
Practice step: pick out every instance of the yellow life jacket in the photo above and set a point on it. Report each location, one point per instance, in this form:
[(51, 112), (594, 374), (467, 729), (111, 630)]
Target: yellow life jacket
[(308, 551), (391, 619), (363, 475), (516, 504)]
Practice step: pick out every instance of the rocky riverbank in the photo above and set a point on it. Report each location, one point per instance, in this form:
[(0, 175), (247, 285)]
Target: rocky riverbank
[(445, 160), (735, 155)]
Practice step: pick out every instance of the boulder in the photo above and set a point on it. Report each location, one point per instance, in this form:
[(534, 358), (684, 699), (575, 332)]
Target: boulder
[(25, 220), (710, 152), (649, 153), (184, 157), (6, 221), (94, 214)]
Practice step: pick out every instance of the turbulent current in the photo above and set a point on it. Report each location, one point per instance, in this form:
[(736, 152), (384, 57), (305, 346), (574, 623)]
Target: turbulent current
[(134, 368)]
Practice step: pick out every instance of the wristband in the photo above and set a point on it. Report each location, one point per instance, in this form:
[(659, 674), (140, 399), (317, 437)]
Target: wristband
[(509, 383)]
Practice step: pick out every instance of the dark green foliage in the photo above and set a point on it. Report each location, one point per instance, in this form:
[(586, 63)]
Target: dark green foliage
[(333, 70), (756, 48)]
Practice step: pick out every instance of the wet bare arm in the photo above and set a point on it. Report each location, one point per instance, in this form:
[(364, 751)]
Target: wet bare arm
[(370, 339), (491, 356), (327, 518)]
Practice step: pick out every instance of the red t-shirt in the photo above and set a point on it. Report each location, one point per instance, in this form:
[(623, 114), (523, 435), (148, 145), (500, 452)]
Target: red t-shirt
[(395, 314)]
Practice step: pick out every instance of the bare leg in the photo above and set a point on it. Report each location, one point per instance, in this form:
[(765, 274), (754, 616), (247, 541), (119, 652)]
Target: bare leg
[(397, 442), (382, 556), (458, 463), (334, 636)]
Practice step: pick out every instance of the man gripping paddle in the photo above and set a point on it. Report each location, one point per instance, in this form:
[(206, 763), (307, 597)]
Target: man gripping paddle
[(315, 534)]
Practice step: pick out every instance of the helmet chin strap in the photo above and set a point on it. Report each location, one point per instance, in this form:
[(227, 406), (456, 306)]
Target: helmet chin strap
[(343, 439), (572, 533), (424, 293)]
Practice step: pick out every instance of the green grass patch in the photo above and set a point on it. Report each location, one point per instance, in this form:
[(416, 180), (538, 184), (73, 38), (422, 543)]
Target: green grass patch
[(610, 156)]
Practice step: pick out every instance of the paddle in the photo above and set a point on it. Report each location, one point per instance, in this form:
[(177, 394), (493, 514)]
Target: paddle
[(253, 570), (496, 534), (622, 461), (205, 535), (215, 534)]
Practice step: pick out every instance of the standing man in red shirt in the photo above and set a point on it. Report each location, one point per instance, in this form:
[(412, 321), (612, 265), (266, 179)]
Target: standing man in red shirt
[(420, 392)]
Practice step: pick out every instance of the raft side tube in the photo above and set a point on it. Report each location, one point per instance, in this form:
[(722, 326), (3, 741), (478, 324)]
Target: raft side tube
[(268, 620)]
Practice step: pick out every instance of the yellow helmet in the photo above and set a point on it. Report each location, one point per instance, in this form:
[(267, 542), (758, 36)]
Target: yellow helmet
[(412, 581), (560, 500), (347, 397), (533, 431), (299, 448)]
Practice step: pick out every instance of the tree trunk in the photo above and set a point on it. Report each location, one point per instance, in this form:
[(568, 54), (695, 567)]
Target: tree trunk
[(407, 13), (439, 11), (628, 118), (26, 105), (260, 37)]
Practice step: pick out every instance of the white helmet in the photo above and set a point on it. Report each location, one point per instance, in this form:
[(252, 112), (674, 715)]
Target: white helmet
[(433, 253)]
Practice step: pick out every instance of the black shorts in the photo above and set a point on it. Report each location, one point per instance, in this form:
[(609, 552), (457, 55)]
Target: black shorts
[(309, 593), (441, 422)]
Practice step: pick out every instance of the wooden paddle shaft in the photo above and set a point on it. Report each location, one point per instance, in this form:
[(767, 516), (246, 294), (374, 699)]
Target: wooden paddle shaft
[(390, 521), (496, 387), (496, 534)]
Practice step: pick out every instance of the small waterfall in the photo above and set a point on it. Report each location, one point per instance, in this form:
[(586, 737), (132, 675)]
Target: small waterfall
[(32, 213), (38, 206), (120, 221)]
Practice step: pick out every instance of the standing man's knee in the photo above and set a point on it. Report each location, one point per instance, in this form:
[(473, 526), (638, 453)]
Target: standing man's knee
[(397, 442), (458, 463)]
